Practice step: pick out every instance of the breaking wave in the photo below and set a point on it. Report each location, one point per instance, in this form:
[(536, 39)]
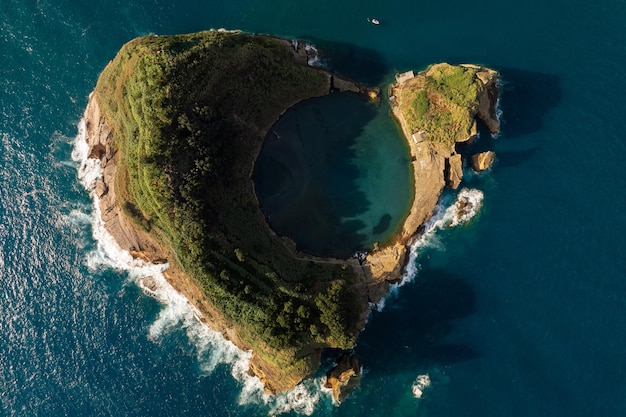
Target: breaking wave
[(313, 54), (446, 215), (177, 312), (305, 398)]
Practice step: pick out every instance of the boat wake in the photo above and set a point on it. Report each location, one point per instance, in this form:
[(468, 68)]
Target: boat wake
[(177, 313)]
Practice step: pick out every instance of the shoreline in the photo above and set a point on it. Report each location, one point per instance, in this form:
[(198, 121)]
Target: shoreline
[(374, 274), (176, 306), (434, 166)]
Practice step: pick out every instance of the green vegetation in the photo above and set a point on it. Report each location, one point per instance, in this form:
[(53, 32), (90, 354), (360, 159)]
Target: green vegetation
[(441, 102), (420, 104), (189, 114)]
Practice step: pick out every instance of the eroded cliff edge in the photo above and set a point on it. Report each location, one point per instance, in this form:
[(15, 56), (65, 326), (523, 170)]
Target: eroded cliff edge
[(306, 303), (177, 123), (437, 109)]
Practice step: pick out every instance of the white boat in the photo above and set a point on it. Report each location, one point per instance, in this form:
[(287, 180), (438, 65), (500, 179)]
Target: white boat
[(373, 21)]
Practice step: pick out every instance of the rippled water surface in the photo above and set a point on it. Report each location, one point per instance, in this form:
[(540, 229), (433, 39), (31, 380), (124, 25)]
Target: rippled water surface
[(517, 312)]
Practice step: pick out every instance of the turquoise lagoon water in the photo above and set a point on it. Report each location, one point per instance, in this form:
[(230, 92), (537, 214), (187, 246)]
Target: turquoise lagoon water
[(334, 175), (517, 313)]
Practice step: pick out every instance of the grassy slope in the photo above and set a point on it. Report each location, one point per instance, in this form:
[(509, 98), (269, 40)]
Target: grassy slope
[(442, 101), (189, 114)]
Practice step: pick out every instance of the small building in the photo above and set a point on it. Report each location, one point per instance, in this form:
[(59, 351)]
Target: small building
[(419, 136), (405, 76)]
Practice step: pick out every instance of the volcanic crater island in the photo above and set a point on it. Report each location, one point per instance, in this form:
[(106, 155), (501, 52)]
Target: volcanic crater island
[(177, 123)]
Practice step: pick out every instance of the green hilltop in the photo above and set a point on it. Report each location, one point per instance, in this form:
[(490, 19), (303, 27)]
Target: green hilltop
[(442, 101), (189, 114)]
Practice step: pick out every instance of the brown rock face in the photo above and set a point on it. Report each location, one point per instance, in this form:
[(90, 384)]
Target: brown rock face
[(344, 377), (386, 264), (434, 166), (482, 161), (100, 141), (454, 171), (472, 135), (343, 84), (488, 100)]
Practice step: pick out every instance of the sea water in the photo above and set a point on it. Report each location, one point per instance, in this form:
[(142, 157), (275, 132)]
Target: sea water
[(517, 312), (334, 175)]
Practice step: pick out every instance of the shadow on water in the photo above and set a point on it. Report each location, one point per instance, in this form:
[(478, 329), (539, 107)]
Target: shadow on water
[(363, 65), (527, 97), (507, 159), (383, 224), (412, 333), (306, 176)]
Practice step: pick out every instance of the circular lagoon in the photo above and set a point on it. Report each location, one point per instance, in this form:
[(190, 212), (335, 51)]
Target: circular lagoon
[(334, 175)]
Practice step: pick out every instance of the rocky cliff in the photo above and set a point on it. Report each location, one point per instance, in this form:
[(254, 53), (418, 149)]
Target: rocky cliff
[(436, 163), (434, 166), (145, 246), (344, 377)]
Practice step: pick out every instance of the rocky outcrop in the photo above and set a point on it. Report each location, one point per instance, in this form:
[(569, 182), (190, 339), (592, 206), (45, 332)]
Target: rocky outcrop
[(471, 137), (454, 171), (344, 377), (386, 264), (137, 242), (100, 141), (435, 165), (482, 161), (488, 97), (273, 377), (340, 83)]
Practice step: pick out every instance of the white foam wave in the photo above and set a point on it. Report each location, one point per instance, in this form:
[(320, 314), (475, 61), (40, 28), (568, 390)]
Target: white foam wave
[(420, 384), (305, 398), (499, 84), (313, 56), (467, 204), (79, 222), (177, 312), (78, 217)]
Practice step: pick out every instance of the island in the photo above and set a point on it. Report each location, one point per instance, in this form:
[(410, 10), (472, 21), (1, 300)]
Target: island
[(177, 123)]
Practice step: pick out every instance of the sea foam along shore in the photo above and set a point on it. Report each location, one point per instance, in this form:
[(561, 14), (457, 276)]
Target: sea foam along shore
[(177, 312), (448, 213)]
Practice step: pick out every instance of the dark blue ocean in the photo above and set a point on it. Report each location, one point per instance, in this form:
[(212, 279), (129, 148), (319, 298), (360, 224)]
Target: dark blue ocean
[(519, 312)]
